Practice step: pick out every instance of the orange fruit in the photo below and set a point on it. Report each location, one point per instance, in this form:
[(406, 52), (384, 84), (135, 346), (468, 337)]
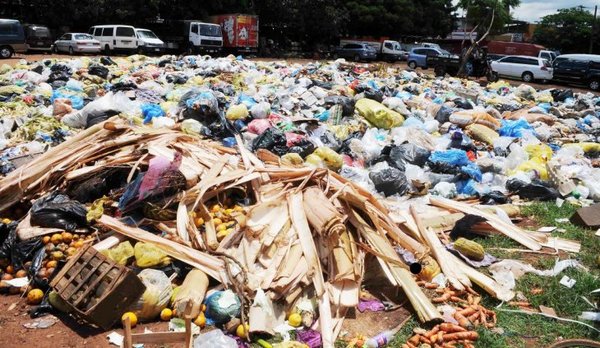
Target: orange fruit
[(67, 237), (52, 264), (200, 320), (132, 318), (46, 239), (35, 296), (166, 314), (21, 273), (242, 331), (10, 269)]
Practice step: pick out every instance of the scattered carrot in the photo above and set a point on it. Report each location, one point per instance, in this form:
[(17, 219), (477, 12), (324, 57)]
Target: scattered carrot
[(431, 286), (432, 332), (425, 340), (450, 328), (468, 311), (462, 321), (519, 304), (444, 298), (466, 335), (415, 339), (457, 299)]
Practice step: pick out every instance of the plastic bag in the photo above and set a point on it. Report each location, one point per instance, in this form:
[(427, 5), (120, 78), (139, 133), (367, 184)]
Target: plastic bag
[(156, 297), (148, 255), (259, 126), (346, 103), (222, 306), (536, 190), (444, 189), (561, 95), (450, 157), (377, 114), (410, 153), (332, 159), (58, 211), (303, 148), (121, 253), (199, 104), (464, 118), (273, 140), (389, 181), (150, 111), (191, 126), (237, 112), (482, 133), (261, 110), (526, 92), (98, 70), (514, 128), (214, 339)]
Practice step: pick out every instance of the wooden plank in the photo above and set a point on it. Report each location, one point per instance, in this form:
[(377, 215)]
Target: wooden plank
[(158, 337)]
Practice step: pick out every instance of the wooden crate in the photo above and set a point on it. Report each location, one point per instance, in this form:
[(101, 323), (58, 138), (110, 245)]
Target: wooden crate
[(96, 288)]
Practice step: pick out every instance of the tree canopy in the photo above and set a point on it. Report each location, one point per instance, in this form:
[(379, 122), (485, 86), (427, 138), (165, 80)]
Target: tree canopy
[(568, 30), (479, 12), (315, 21)]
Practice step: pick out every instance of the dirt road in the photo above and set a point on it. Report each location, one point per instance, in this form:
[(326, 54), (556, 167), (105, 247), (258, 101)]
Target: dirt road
[(36, 57)]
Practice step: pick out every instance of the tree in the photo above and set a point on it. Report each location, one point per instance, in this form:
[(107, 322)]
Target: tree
[(568, 30), (478, 13)]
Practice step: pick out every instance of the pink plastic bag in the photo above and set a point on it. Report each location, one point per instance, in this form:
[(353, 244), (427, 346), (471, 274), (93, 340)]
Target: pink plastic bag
[(292, 138), (259, 126)]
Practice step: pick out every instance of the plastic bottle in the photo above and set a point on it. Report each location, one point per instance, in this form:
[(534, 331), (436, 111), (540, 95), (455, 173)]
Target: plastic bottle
[(380, 340)]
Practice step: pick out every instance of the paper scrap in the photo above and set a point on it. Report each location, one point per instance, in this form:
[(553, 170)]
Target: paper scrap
[(562, 220), (568, 282), (41, 323), (115, 338), (598, 233), (548, 311), (546, 229), (18, 282)]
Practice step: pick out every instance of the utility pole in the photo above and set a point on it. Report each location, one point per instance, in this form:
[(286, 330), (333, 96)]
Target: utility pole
[(593, 29)]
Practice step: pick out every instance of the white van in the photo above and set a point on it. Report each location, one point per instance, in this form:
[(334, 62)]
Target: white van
[(148, 42), (115, 37)]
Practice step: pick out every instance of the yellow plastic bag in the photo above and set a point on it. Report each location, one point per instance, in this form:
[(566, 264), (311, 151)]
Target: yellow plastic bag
[(313, 160), (586, 146), (539, 155), (292, 160), (377, 114), (498, 84), (332, 159), (237, 112), (120, 254), (148, 255)]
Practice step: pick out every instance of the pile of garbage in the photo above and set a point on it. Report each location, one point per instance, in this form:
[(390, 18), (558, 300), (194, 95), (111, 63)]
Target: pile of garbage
[(252, 196)]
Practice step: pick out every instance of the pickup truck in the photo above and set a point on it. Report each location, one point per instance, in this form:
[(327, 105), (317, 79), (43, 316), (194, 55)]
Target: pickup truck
[(388, 50)]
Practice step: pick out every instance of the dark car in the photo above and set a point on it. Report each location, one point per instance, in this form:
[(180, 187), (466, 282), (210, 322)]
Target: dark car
[(579, 69), (12, 38), (38, 37), (356, 52)]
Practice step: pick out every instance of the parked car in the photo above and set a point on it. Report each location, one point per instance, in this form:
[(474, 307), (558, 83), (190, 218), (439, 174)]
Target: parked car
[(38, 37), (356, 52), (580, 69), (148, 42), (418, 56), (115, 38), (12, 38), (524, 67), (77, 42)]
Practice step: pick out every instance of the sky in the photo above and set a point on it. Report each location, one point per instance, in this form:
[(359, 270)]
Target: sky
[(533, 10)]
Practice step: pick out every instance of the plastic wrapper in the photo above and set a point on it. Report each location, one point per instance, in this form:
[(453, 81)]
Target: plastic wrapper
[(444, 189), (389, 181), (214, 339), (260, 110), (514, 128), (149, 255), (273, 140), (346, 103), (331, 159), (58, 211), (237, 112), (222, 306), (464, 118), (121, 253), (536, 190), (377, 114), (482, 133), (156, 297)]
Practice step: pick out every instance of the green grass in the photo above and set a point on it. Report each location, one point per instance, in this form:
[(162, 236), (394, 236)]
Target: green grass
[(520, 330)]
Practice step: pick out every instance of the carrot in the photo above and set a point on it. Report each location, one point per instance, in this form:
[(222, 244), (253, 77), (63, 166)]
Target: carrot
[(467, 344), (466, 335), (474, 316), (445, 297), (468, 311), (473, 292), (519, 304), (432, 331), (476, 300), (462, 321), (425, 340), (415, 339), (421, 283), (410, 345), (470, 299), (457, 299), (450, 328), (431, 286), (483, 317), (405, 346)]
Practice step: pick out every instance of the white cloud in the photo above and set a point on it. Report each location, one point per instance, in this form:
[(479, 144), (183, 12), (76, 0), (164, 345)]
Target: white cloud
[(534, 10)]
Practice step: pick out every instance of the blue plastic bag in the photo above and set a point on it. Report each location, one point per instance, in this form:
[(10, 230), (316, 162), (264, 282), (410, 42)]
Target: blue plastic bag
[(76, 100), (323, 117), (453, 157), (514, 128), (472, 171), (466, 187), (150, 111), (246, 100)]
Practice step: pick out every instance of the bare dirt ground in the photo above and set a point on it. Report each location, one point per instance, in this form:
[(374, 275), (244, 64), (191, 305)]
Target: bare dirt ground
[(35, 57)]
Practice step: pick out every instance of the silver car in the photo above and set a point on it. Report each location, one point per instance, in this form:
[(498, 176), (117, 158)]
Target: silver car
[(77, 43)]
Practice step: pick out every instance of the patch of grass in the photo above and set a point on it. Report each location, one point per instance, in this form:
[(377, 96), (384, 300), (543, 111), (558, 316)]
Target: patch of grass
[(405, 333)]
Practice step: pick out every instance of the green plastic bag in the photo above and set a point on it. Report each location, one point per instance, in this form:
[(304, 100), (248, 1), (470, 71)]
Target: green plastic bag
[(377, 114), (120, 254)]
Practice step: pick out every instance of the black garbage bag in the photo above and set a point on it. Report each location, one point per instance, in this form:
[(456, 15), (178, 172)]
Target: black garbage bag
[(323, 84), (123, 86), (493, 197), (462, 103), (463, 227), (58, 76), (560, 95), (56, 84), (385, 156), (375, 94), (389, 181), (6, 167), (38, 69), (107, 61), (303, 148), (177, 79), (90, 188), (443, 114), (345, 147), (8, 239), (202, 106), (58, 211), (99, 116), (443, 168), (410, 153), (98, 70), (536, 190), (346, 103), (273, 140)]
